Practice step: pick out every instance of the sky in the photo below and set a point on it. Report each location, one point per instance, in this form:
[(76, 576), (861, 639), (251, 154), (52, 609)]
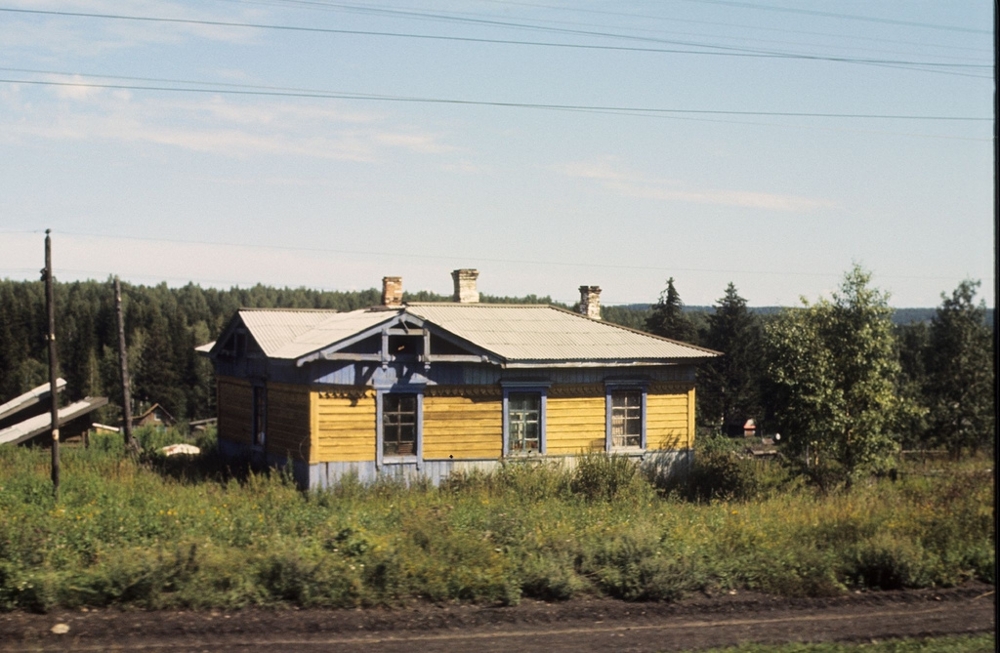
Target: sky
[(548, 144)]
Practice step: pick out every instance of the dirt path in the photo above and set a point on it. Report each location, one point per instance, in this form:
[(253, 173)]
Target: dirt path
[(597, 625)]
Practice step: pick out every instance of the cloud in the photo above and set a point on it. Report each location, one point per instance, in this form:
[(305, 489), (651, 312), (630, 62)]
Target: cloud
[(215, 125), (620, 180), (88, 37)]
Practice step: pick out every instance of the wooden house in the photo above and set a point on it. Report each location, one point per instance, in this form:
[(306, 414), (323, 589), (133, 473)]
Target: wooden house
[(155, 415), (427, 389)]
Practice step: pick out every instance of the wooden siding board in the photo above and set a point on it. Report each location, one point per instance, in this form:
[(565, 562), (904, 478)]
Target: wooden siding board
[(575, 424), (345, 428), (235, 402), (462, 427), (669, 417), (288, 421)]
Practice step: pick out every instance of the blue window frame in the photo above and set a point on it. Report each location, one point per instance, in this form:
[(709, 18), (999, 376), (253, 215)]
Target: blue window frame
[(399, 426), (625, 414), (524, 417)]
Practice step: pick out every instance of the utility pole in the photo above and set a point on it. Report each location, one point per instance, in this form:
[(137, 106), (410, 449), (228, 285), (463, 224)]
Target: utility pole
[(53, 361), (130, 444)]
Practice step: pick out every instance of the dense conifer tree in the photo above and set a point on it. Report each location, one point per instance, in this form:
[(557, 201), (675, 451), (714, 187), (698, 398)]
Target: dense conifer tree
[(668, 319), (729, 386)]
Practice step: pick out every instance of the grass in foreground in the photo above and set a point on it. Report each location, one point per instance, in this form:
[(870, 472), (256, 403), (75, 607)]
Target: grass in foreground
[(984, 643), (143, 534)]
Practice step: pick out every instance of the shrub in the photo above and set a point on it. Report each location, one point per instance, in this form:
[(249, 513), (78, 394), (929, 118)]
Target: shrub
[(599, 477)]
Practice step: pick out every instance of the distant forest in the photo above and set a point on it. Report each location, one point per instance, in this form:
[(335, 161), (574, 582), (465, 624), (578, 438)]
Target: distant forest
[(163, 325)]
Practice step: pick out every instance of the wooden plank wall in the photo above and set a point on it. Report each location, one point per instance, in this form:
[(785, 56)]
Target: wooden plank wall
[(463, 427), (343, 426), (235, 401), (575, 419), (670, 416), (288, 421)]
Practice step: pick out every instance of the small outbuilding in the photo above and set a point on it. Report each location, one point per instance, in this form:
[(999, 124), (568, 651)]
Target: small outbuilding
[(426, 389), (155, 415)]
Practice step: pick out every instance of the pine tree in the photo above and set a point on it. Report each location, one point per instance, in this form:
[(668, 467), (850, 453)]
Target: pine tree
[(668, 319), (729, 388), (961, 387)]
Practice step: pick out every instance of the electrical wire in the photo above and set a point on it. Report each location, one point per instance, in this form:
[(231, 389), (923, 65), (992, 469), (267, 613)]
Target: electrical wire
[(713, 50), (443, 257), (338, 95)]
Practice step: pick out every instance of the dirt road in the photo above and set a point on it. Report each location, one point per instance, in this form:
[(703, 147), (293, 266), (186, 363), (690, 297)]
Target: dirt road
[(595, 625)]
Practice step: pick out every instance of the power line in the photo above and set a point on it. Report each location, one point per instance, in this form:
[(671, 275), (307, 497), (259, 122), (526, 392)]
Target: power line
[(465, 258), (830, 14), (339, 95), (332, 6), (716, 50)]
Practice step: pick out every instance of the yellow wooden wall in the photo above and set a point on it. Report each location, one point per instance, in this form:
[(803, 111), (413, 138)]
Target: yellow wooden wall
[(463, 426), (670, 416), (288, 421), (575, 419), (343, 425), (235, 401)]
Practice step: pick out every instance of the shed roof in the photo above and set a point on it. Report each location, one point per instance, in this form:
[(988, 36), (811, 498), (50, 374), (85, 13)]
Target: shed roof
[(29, 398), (39, 424)]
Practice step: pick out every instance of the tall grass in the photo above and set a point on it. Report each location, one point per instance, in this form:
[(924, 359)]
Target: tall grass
[(145, 533)]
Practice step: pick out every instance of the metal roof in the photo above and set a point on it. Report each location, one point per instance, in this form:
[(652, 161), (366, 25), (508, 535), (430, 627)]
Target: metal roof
[(292, 333), (39, 424), (30, 398), (515, 333), (549, 334)]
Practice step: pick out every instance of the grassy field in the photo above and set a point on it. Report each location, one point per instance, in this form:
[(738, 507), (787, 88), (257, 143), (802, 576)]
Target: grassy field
[(157, 533)]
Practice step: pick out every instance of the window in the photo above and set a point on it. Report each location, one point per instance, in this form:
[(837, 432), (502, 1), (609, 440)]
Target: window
[(626, 418), (259, 432), (524, 415), (524, 423), (399, 424)]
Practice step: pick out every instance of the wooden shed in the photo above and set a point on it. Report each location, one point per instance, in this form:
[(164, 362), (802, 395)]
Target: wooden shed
[(425, 389)]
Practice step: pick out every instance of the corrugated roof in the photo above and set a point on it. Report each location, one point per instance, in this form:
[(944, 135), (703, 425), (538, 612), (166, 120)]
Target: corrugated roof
[(294, 333), (513, 332), (35, 426), (30, 398), (274, 329), (548, 334)]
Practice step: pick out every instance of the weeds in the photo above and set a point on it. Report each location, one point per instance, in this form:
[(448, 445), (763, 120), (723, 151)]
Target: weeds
[(136, 532)]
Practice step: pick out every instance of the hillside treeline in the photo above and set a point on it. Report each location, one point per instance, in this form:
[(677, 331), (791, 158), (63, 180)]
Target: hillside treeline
[(786, 369), (163, 325)]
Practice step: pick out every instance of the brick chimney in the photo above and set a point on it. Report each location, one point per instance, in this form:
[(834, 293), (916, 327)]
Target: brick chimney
[(590, 302), (392, 291), (465, 286)]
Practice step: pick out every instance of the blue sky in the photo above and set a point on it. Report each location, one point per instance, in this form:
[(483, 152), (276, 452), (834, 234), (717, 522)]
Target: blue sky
[(549, 144)]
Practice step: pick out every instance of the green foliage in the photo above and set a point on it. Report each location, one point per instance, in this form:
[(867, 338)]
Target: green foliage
[(729, 386), (722, 471), (599, 477), (125, 533), (668, 319), (960, 383), (834, 367)]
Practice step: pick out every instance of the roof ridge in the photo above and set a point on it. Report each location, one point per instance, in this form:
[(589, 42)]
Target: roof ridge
[(246, 309), (478, 305)]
